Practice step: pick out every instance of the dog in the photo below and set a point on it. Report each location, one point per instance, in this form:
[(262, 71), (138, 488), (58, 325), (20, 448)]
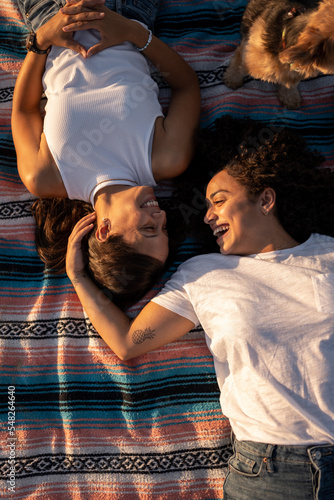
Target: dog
[(284, 42)]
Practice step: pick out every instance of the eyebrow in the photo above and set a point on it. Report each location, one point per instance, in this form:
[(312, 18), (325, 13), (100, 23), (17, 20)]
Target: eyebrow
[(219, 191), (145, 235)]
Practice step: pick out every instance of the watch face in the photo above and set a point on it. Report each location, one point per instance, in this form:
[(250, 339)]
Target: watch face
[(31, 44), (30, 41)]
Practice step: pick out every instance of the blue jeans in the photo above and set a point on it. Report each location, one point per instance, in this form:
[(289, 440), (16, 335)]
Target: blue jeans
[(37, 12), (259, 471)]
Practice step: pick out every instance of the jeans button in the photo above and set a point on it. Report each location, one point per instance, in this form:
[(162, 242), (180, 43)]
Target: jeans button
[(317, 455)]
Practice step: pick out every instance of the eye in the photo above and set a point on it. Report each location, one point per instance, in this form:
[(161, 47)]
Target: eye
[(218, 202)]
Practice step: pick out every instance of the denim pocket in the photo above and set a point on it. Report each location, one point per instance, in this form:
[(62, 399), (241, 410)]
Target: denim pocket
[(148, 6), (323, 286), (35, 14), (245, 466), (142, 10)]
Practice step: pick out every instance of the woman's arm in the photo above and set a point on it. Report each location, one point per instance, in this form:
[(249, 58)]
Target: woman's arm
[(173, 143), (174, 136), (35, 163), (34, 160), (154, 326)]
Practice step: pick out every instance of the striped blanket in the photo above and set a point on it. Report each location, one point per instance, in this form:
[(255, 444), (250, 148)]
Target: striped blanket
[(77, 423)]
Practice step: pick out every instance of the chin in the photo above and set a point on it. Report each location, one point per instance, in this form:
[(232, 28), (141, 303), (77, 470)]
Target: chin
[(225, 246), (223, 251), (162, 257)]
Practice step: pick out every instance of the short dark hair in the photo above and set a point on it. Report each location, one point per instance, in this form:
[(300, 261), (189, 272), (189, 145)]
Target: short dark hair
[(124, 274)]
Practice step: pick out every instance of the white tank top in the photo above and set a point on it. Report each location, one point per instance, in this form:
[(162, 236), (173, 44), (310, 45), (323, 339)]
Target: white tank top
[(100, 117)]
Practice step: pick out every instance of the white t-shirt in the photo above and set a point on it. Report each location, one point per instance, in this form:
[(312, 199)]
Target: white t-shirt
[(269, 324), (100, 116)]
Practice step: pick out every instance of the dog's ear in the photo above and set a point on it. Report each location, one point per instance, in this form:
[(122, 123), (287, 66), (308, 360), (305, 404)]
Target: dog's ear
[(313, 52)]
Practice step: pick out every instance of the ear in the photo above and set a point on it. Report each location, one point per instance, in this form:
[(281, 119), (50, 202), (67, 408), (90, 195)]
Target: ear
[(267, 200), (312, 53), (315, 45), (103, 230)]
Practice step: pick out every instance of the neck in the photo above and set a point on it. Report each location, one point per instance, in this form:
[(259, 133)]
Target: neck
[(106, 196), (280, 243), (274, 236)]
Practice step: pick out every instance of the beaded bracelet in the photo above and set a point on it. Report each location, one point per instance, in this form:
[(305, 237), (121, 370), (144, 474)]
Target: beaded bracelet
[(147, 43)]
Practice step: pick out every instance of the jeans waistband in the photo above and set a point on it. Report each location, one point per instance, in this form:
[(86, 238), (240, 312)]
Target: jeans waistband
[(290, 453), (37, 12), (264, 470)]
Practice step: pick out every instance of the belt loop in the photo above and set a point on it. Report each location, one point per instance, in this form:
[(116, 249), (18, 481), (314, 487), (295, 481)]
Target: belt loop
[(268, 458), (118, 6)]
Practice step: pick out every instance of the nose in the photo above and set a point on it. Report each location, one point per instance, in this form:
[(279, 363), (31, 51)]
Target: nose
[(209, 216), (159, 217)]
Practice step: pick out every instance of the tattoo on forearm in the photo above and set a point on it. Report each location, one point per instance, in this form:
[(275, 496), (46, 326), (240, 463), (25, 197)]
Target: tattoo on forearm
[(139, 336), (76, 280)]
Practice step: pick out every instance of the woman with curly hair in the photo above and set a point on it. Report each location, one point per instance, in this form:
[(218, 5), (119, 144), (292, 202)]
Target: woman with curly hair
[(104, 142), (266, 303)]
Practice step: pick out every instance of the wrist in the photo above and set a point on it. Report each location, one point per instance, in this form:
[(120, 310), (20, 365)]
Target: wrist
[(78, 278), (40, 41), (149, 40), (139, 35)]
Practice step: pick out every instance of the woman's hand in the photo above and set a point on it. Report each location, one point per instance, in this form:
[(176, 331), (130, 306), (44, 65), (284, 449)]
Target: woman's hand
[(153, 327), (113, 28), (75, 264), (82, 12)]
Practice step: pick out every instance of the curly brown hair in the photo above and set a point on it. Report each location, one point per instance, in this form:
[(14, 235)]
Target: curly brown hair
[(304, 191), (260, 155)]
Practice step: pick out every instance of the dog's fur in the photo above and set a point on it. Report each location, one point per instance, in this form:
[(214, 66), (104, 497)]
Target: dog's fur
[(284, 42)]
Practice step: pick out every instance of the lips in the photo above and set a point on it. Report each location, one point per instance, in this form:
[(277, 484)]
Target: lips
[(221, 230), (152, 202)]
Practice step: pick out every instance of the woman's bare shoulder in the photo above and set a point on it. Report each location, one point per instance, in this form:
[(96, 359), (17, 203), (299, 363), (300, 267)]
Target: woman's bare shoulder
[(170, 156)]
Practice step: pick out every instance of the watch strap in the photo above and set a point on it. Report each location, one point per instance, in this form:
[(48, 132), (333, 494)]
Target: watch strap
[(31, 44)]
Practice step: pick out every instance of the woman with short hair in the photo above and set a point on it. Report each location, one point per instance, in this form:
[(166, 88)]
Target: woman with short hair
[(104, 142)]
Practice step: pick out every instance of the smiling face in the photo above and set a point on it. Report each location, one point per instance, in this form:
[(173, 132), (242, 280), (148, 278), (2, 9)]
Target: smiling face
[(236, 221), (135, 214)]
